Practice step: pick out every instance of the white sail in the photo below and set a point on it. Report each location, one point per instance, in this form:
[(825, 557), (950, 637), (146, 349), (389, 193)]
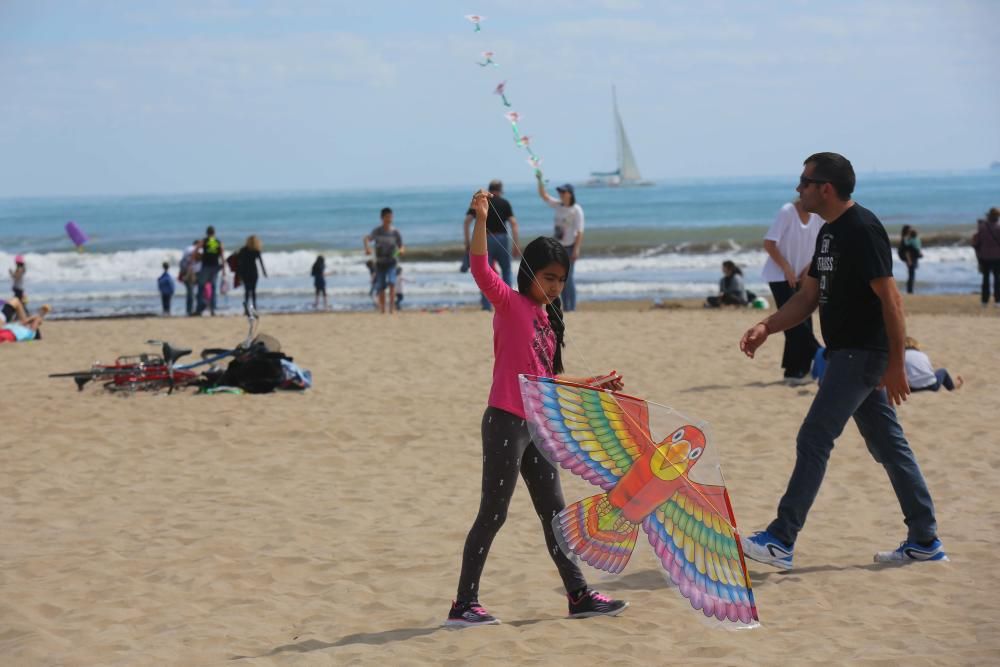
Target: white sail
[(627, 173), (628, 170)]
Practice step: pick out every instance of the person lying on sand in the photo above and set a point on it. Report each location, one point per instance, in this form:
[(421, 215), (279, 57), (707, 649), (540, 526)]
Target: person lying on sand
[(26, 329)]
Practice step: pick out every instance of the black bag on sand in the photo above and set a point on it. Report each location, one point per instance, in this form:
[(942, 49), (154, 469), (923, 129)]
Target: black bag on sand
[(256, 370)]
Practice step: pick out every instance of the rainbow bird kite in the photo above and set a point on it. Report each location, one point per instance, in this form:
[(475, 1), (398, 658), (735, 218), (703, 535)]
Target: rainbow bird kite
[(657, 472)]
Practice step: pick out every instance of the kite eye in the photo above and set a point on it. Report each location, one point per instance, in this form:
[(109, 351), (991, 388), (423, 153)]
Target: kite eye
[(678, 435), (695, 453)]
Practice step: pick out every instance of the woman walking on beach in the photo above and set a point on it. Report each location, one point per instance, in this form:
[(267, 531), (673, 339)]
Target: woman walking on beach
[(986, 241), (790, 243), (528, 338), (568, 231), (246, 269)]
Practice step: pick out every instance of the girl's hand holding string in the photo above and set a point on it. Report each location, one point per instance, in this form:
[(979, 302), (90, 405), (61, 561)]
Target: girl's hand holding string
[(481, 207)]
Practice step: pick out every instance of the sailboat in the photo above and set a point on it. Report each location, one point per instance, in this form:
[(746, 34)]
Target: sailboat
[(627, 174)]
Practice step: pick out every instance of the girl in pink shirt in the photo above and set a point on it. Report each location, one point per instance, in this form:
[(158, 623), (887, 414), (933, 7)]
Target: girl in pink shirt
[(527, 338)]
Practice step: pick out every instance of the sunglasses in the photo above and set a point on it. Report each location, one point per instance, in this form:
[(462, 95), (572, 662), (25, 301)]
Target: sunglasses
[(803, 181)]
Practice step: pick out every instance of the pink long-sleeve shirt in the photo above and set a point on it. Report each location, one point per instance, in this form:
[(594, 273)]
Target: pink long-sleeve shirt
[(523, 341)]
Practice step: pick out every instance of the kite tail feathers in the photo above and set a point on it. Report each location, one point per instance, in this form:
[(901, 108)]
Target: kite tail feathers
[(596, 531)]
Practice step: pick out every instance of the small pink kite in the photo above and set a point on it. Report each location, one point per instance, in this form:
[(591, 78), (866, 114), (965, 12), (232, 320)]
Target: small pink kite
[(476, 19), (524, 141), (488, 55), (500, 90), (512, 116)]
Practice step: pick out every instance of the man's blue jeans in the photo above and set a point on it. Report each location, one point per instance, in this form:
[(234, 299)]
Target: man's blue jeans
[(498, 250), (849, 390)]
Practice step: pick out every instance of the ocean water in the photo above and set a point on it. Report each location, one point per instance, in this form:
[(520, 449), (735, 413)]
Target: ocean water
[(664, 241)]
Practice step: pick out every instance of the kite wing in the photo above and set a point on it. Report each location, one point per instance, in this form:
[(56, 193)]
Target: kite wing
[(585, 430), (694, 536)]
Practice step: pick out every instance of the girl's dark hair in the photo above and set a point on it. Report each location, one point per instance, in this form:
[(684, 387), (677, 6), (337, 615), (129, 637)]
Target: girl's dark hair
[(536, 256), (904, 232), (731, 266)]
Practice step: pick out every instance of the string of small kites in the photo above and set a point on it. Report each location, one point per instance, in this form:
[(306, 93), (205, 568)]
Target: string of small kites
[(521, 140)]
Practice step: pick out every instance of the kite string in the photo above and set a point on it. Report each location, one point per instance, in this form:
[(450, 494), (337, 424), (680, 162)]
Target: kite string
[(535, 162)]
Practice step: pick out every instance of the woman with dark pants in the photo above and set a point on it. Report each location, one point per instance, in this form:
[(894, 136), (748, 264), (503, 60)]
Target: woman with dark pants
[(247, 260), (790, 243)]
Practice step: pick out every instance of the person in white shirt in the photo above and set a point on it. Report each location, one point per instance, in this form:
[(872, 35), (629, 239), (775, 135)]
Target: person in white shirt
[(920, 373), (568, 231), (790, 243)]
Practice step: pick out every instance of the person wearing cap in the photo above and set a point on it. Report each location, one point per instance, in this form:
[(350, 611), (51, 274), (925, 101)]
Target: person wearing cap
[(986, 241), (568, 231), (498, 239), (17, 277)]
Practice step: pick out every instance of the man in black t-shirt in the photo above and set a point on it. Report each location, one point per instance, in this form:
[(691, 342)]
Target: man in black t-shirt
[(861, 316), (498, 240)]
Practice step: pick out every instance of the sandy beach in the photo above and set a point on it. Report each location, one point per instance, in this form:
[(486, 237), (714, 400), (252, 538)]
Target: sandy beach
[(326, 527)]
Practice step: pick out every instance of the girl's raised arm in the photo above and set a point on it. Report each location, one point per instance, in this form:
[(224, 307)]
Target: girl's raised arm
[(481, 206)]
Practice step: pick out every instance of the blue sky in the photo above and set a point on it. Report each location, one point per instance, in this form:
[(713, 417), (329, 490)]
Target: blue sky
[(214, 95)]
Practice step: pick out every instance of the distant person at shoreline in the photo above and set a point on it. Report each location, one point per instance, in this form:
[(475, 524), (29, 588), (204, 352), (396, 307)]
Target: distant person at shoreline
[(568, 231), (17, 277), (318, 273), (388, 244), (789, 244), (910, 253), (861, 314), (165, 283), (246, 268), (732, 291), (211, 254), (986, 241), (498, 238), (187, 274), (922, 376)]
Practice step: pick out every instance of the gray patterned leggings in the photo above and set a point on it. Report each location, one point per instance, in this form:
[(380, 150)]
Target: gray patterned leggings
[(507, 451)]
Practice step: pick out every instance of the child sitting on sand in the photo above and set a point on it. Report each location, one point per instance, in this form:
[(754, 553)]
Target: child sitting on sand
[(732, 291), (920, 374), (24, 330), (528, 338)]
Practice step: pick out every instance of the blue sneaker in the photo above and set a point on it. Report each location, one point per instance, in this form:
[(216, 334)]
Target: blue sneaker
[(765, 548), (911, 552)]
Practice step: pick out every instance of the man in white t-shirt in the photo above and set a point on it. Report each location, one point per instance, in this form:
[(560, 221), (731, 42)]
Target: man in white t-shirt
[(790, 243), (568, 231)]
